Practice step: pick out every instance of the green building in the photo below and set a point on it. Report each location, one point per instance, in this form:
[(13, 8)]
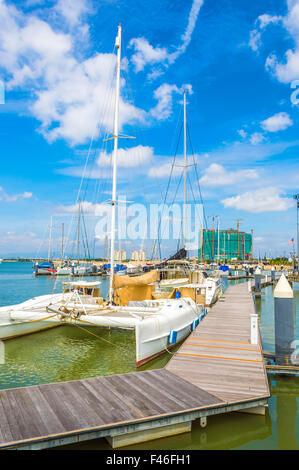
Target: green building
[(233, 245)]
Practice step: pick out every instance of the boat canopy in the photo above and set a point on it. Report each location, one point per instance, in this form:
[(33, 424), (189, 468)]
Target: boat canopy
[(143, 280), (117, 267), (45, 265), (224, 268), (89, 285)]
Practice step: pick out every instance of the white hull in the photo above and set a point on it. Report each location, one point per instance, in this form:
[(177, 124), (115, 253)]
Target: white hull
[(14, 329), (159, 324), (173, 282), (28, 317), (153, 322), (213, 290), (64, 271)]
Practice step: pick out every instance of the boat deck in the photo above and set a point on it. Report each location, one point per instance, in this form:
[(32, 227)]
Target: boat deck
[(216, 370)]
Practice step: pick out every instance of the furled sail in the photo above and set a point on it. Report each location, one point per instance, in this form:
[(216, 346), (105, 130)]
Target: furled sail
[(143, 280)]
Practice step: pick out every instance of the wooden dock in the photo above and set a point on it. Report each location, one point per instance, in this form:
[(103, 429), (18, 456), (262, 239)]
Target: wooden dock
[(219, 350), (216, 370)]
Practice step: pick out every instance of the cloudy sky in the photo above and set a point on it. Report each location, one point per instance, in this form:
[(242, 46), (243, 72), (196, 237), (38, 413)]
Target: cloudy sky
[(238, 61)]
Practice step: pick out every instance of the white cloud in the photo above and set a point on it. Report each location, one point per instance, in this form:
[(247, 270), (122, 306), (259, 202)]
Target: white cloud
[(255, 40), (18, 242), (233, 153), (242, 133), (288, 69), (256, 138), (128, 158), (186, 37), (67, 93), (14, 197), (138, 158), (163, 95), (166, 169), (261, 200), (278, 122), (261, 22), (72, 10), (145, 53), (217, 175), (85, 206)]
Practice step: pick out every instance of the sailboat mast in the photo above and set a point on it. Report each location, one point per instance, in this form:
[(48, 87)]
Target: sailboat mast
[(115, 137), (79, 223), (185, 172), (62, 242), (50, 238)]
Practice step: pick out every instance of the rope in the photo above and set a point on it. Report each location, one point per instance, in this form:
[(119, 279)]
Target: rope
[(98, 337)]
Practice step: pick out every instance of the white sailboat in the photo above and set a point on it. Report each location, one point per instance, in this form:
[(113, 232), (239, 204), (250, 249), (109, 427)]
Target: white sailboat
[(207, 287), (158, 324)]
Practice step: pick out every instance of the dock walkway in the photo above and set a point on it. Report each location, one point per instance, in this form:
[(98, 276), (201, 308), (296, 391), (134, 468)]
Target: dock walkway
[(216, 370)]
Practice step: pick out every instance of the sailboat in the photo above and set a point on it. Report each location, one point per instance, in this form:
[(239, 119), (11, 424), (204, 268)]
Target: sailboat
[(159, 324), (46, 268), (195, 283)]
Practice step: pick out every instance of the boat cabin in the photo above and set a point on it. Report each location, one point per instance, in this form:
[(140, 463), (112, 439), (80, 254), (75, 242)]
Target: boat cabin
[(91, 289)]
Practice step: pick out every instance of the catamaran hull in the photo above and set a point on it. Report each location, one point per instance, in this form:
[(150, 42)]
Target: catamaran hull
[(155, 336), (159, 346), (23, 319), (14, 329), (156, 332)]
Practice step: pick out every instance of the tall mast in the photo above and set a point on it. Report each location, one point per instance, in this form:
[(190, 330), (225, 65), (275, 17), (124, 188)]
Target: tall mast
[(62, 243), (218, 239), (185, 172), (79, 223), (50, 238), (115, 137)]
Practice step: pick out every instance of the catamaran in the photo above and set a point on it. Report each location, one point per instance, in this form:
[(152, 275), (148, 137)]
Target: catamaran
[(158, 323)]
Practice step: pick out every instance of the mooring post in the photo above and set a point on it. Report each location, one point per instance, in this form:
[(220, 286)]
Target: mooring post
[(273, 274), (257, 279), (284, 320), (249, 286)]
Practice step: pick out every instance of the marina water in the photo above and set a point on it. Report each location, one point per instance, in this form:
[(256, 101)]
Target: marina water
[(71, 353)]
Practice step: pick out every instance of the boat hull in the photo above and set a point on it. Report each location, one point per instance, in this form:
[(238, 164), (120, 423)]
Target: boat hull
[(13, 329)]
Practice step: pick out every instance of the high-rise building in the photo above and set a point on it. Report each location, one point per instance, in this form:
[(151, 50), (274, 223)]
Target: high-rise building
[(138, 255), (120, 255), (233, 244)]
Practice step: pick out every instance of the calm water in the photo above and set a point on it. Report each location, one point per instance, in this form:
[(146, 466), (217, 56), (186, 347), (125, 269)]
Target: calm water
[(69, 353)]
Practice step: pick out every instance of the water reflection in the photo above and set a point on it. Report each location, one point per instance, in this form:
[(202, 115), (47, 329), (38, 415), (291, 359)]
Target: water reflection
[(286, 391)]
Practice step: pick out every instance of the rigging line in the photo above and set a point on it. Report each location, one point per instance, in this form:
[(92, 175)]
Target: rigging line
[(84, 171), (199, 189), (84, 227), (167, 189), (175, 195), (141, 134), (99, 337), (46, 230), (106, 107), (171, 147)]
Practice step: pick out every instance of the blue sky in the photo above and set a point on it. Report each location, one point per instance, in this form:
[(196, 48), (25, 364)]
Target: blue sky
[(237, 59)]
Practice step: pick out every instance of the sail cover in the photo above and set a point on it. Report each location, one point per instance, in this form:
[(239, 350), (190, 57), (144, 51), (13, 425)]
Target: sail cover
[(143, 280), (181, 254)]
